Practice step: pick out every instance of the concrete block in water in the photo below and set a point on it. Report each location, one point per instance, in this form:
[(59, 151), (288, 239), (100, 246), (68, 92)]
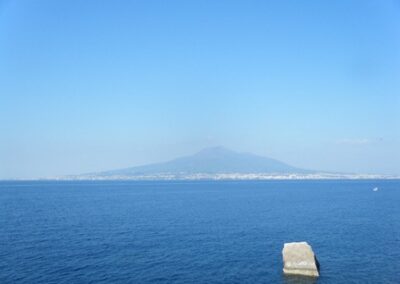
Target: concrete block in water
[(299, 259)]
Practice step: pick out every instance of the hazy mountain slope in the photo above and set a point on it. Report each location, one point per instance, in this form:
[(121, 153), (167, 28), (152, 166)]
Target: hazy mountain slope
[(212, 161)]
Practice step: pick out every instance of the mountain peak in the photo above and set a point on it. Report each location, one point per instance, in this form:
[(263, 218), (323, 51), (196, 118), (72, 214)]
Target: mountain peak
[(212, 160), (215, 151)]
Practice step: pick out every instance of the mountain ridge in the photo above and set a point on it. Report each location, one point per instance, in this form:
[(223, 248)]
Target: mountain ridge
[(212, 160)]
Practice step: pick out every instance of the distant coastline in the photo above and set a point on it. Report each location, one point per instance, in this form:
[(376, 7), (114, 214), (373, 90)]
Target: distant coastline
[(214, 164), (217, 177)]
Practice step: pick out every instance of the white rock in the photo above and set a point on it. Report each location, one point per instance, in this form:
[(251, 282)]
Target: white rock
[(299, 259)]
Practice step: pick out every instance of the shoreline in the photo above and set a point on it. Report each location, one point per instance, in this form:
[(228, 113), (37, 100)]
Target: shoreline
[(215, 177)]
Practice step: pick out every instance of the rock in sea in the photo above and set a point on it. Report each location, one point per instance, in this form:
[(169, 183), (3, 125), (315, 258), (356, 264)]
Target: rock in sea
[(299, 259)]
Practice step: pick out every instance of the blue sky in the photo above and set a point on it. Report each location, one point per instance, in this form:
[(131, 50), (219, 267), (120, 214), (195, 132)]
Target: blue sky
[(95, 85)]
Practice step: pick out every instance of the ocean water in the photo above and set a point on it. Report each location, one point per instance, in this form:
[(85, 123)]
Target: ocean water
[(197, 232)]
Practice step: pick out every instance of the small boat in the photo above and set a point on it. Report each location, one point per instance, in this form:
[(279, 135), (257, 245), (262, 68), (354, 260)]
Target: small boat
[(375, 189)]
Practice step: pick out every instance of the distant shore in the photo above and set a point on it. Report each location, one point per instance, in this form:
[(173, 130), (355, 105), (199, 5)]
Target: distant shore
[(217, 177)]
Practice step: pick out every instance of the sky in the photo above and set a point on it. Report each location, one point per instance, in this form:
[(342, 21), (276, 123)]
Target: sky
[(98, 85)]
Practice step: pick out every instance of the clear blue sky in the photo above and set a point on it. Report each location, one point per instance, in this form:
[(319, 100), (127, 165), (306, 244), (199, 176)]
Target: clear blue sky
[(95, 85)]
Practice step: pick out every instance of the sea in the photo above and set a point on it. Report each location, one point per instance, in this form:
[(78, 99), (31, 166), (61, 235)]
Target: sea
[(197, 231)]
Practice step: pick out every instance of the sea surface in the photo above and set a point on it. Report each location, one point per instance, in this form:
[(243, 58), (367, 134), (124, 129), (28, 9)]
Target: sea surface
[(197, 232)]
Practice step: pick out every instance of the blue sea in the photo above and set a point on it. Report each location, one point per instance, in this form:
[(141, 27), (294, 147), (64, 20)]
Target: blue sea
[(197, 232)]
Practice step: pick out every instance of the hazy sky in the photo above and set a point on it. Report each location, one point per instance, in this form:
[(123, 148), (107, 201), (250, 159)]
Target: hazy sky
[(95, 85)]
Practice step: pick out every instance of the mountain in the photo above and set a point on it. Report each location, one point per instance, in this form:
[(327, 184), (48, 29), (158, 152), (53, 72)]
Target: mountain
[(210, 161)]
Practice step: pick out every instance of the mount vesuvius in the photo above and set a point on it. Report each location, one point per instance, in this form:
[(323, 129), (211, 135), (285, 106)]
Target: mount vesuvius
[(209, 161)]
